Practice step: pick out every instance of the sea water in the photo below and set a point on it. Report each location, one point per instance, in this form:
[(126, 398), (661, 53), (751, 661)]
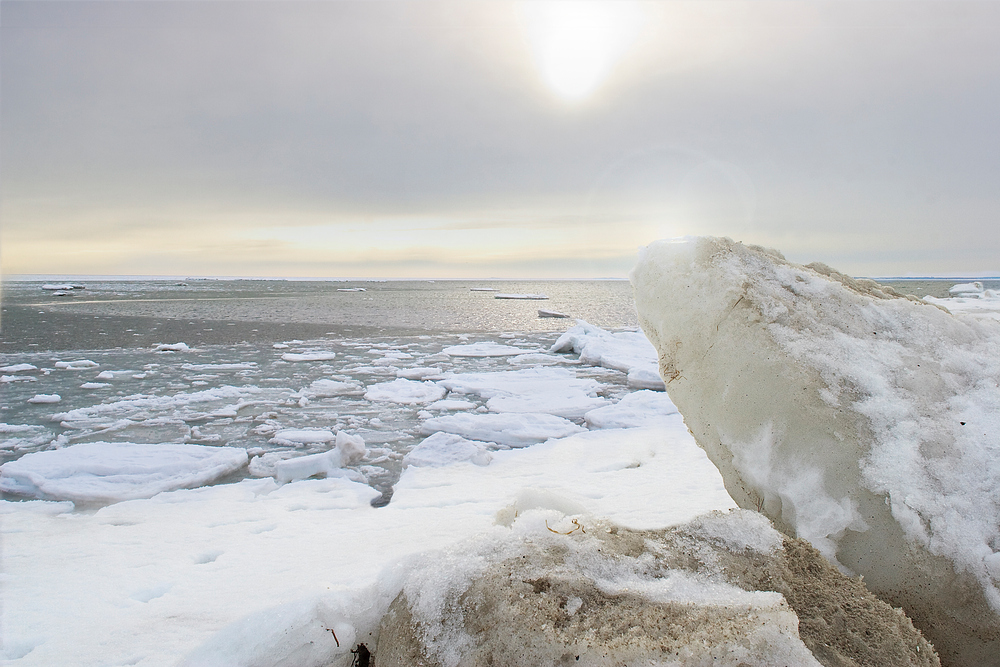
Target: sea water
[(233, 385)]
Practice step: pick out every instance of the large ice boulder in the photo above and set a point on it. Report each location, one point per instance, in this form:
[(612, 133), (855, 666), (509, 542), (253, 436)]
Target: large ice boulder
[(862, 421), (725, 589)]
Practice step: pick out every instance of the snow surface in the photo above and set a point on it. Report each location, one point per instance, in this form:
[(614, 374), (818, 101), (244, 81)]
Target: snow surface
[(105, 472), (167, 579)]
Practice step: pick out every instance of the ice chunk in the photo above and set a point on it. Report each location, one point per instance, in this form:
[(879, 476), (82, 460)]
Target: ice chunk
[(419, 373), (326, 388), (45, 398), (171, 347), (349, 449), (552, 313), (238, 366), (515, 430), (94, 385), (17, 378), (640, 408), (442, 449), (523, 297), (967, 288), (105, 472), (484, 349), (555, 391), (309, 356), (867, 423), (56, 287), (18, 368), (407, 392), (627, 351), (77, 365), (302, 436), (451, 404)]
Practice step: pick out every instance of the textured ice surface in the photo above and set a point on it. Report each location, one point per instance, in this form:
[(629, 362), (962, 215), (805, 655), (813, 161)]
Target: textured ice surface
[(105, 472), (867, 423)]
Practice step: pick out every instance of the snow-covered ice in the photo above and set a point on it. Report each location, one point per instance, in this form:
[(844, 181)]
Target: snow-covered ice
[(640, 408), (555, 391), (484, 349), (865, 422), (404, 391), (106, 472), (45, 398), (627, 351), (309, 356), (442, 449)]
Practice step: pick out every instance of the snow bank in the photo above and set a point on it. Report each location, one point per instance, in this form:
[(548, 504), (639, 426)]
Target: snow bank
[(105, 472), (555, 391), (626, 351), (514, 430), (867, 423)]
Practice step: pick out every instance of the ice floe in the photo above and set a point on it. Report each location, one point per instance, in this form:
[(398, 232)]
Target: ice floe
[(640, 408), (45, 398), (171, 347), (514, 430), (408, 392), (555, 391), (106, 472), (484, 349), (77, 365), (309, 356), (442, 449)]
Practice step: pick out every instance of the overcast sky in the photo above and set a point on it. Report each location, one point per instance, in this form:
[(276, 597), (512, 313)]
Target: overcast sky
[(495, 139)]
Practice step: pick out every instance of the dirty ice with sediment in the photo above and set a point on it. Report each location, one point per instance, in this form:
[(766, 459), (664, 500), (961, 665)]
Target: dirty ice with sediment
[(205, 499)]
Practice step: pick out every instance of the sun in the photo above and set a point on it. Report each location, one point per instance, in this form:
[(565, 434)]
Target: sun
[(577, 43)]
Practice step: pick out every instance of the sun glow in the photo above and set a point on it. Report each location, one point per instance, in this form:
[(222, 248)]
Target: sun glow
[(577, 43)]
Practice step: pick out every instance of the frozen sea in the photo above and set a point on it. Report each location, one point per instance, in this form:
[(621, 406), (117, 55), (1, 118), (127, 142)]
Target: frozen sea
[(380, 420)]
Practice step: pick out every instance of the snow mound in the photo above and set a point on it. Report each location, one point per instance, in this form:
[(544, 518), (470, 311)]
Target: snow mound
[(552, 589), (555, 391), (443, 449), (109, 472), (407, 392), (514, 430), (626, 351), (862, 421), (640, 408)]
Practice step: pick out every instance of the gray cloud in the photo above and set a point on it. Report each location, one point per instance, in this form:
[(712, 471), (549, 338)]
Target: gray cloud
[(783, 122)]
